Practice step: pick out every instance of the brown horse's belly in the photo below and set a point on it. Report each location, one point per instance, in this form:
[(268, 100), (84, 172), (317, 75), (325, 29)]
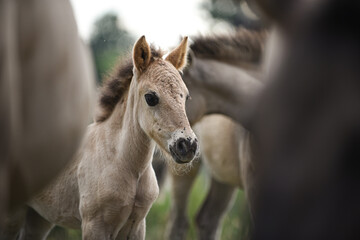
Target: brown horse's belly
[(219, 140)]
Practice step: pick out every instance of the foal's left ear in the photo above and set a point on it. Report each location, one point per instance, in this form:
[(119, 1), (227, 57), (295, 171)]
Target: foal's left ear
[(179, 55), (141, 54)]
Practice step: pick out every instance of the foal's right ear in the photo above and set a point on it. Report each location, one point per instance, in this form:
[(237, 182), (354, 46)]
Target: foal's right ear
[(141, 54)]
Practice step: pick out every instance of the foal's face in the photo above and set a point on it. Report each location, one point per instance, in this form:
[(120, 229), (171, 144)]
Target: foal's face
[(161, 105)]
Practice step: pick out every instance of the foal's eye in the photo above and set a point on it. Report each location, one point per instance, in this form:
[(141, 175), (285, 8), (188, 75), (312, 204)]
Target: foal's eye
[(151, 99)]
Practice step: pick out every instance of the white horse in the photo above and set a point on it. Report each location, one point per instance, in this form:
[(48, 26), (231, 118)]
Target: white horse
[(46, 83)]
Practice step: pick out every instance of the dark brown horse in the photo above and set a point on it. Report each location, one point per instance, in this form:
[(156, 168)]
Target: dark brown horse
[(307, 126)]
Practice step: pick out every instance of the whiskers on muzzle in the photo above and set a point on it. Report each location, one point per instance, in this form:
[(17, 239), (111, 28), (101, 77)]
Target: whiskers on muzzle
[(178, 169)]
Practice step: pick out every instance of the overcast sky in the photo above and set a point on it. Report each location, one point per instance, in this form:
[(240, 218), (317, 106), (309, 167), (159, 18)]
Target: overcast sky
[(161, 21)]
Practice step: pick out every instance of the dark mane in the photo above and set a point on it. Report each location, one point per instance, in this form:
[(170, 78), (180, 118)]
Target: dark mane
[(116, 85), (242, 46)]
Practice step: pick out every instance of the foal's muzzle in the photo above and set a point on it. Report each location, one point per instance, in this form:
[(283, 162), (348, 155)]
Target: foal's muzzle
[(184, 150)]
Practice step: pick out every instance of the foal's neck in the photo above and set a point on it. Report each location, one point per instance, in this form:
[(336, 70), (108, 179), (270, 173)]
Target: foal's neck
[(131, 147)]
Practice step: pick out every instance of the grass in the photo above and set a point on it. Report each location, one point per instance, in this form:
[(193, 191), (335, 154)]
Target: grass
[(235, 223)]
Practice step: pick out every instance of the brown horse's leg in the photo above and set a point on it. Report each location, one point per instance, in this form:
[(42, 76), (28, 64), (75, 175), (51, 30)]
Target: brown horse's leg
[(35, 227), (212, 211), (12, 225), (160, 168), (181, 185)]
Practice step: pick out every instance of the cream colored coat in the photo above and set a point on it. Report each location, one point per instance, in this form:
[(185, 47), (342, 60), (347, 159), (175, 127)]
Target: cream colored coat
[(110, 187), (46, 81)]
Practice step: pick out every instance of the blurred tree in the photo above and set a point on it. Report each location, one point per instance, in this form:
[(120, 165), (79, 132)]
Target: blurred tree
[(108, 41), (235, 12)]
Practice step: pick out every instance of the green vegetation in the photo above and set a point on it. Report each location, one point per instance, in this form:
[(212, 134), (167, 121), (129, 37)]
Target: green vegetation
[(233, 227), (108, 41), (232, 12)]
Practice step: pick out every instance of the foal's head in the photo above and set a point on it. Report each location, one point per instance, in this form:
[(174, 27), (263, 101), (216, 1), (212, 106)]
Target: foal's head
[(160, 96)]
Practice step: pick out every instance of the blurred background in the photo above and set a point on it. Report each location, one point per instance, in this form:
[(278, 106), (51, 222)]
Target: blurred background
[(111, 27)]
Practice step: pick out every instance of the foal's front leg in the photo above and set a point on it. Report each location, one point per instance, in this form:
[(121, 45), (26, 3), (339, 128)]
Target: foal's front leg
[(133, 230), (104, 213), (104, 224), (146, 194)]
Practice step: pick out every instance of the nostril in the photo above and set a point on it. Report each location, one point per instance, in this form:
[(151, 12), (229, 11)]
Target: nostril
[(194, 146), (182, 146)]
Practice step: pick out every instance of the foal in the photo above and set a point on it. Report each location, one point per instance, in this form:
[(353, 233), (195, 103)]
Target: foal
[(110, 187)]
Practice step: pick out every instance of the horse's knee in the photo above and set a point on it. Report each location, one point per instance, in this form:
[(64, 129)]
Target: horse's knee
[(92, 230), (132, 231), (93, 235)]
